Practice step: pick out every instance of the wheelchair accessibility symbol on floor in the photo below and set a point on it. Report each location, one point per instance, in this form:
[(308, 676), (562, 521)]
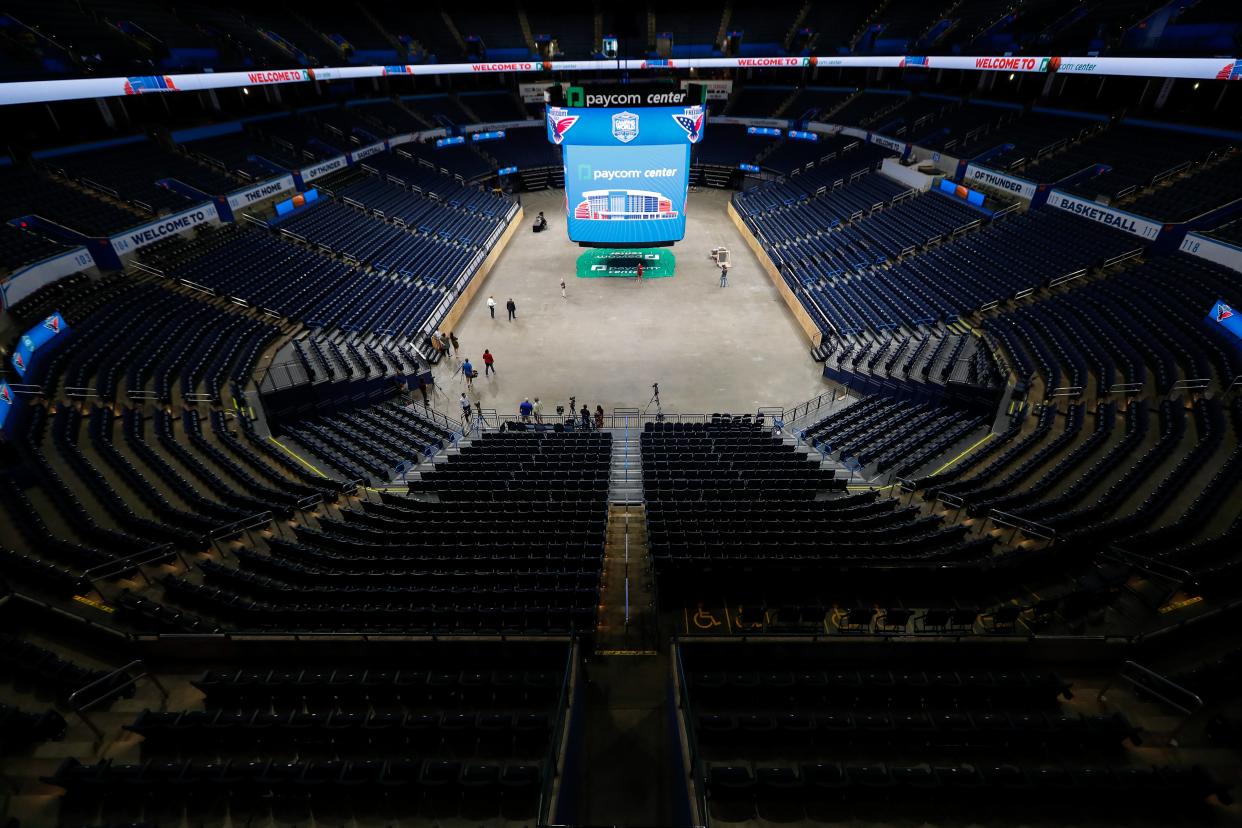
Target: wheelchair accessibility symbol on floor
[(702, 620)]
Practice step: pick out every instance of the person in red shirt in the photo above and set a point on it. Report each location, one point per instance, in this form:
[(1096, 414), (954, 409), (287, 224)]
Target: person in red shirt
[(488, 359), (640, 270)]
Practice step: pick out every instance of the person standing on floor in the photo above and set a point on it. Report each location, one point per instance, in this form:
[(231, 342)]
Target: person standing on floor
[(456, 344), (467, 371), (724, 275), (488, 359), (599, 416), (465, 408), (585, 414), (491, 306), (422, 389), (563, 288), (511, 306), (525, 410), (537, 410), (445, 345), (640, 271)]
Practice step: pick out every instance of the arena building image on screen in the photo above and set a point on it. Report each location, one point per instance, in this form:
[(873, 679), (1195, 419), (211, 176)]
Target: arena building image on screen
[(351, 476), (624, 205)]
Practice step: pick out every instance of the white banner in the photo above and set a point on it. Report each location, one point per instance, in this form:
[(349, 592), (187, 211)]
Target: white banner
[(533, 92), (323, 168), (18, 92), (501, 125), (1214, 250), (24, 282), (896, 146), (272, 187), (717, 90), (367, 151), (768, 123), (1128, 222), (982, 176), (909, 176), (161, 229)]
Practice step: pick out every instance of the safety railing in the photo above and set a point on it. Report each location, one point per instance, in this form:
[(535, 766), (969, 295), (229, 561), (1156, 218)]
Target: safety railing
[(1148, 682), (1192, 384), (1124, 257), (1027, 527), (819, 406), (951, 501), (35, 390), (195, 286), (1068, 277), (1151, 566), (108, 687), (237, 527), (118, 566), (699, 794), (146, 268), (1125, 388), (551, 760)]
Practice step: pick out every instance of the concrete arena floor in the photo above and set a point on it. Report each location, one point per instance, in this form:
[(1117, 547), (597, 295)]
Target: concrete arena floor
[(711, 349)]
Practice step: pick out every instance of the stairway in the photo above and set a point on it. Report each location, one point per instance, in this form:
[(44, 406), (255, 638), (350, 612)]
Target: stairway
[(625, 475), (627, 618)]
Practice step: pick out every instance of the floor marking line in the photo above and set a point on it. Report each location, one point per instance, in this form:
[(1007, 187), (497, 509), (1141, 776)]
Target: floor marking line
[(986, 437), (298, 457)]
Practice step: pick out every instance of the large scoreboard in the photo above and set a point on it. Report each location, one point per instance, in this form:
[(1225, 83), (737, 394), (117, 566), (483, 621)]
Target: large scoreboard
[(626, 152)]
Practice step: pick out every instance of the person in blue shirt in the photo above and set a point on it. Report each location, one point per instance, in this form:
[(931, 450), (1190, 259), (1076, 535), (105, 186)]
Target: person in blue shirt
[(468, 371), (525, 410)]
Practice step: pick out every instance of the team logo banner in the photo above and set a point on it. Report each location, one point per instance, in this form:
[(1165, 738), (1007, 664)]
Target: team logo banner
[(1091, 211), (268, 189), (1228, 318), (1020, 187), (1214, 250), (625, 127), (35, 339), (161, 229), (691, 120), (559, 123)]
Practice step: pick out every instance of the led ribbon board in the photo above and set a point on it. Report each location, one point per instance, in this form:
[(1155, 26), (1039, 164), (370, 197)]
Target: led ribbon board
[(626, 169), (43, 91)]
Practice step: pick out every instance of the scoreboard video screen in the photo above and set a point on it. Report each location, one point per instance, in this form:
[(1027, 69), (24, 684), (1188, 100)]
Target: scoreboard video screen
[(627, 164)]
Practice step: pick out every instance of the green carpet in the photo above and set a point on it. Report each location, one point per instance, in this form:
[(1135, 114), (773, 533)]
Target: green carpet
[(657, 263)]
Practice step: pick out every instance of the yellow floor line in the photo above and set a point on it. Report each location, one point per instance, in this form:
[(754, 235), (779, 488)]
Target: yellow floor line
[(868, 488), (297, 457), (986, 437)]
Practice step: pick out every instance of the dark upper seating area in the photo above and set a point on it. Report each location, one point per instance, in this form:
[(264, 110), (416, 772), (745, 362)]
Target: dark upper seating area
[(1202, 188), (1135, 156), (22, 246), (26, 192), (131, 173), (830, 738), (426, 736)]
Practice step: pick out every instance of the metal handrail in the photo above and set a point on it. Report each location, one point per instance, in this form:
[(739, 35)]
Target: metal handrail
[(564, 700), (80, 708), (116, 566), (239, 526), (1147, 681), (1028, 527)]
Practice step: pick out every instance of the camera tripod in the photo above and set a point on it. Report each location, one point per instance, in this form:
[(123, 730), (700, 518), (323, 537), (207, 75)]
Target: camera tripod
[(655, 400)]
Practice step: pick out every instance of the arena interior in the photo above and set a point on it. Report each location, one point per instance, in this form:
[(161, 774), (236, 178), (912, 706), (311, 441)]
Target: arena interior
[(656, 414)]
